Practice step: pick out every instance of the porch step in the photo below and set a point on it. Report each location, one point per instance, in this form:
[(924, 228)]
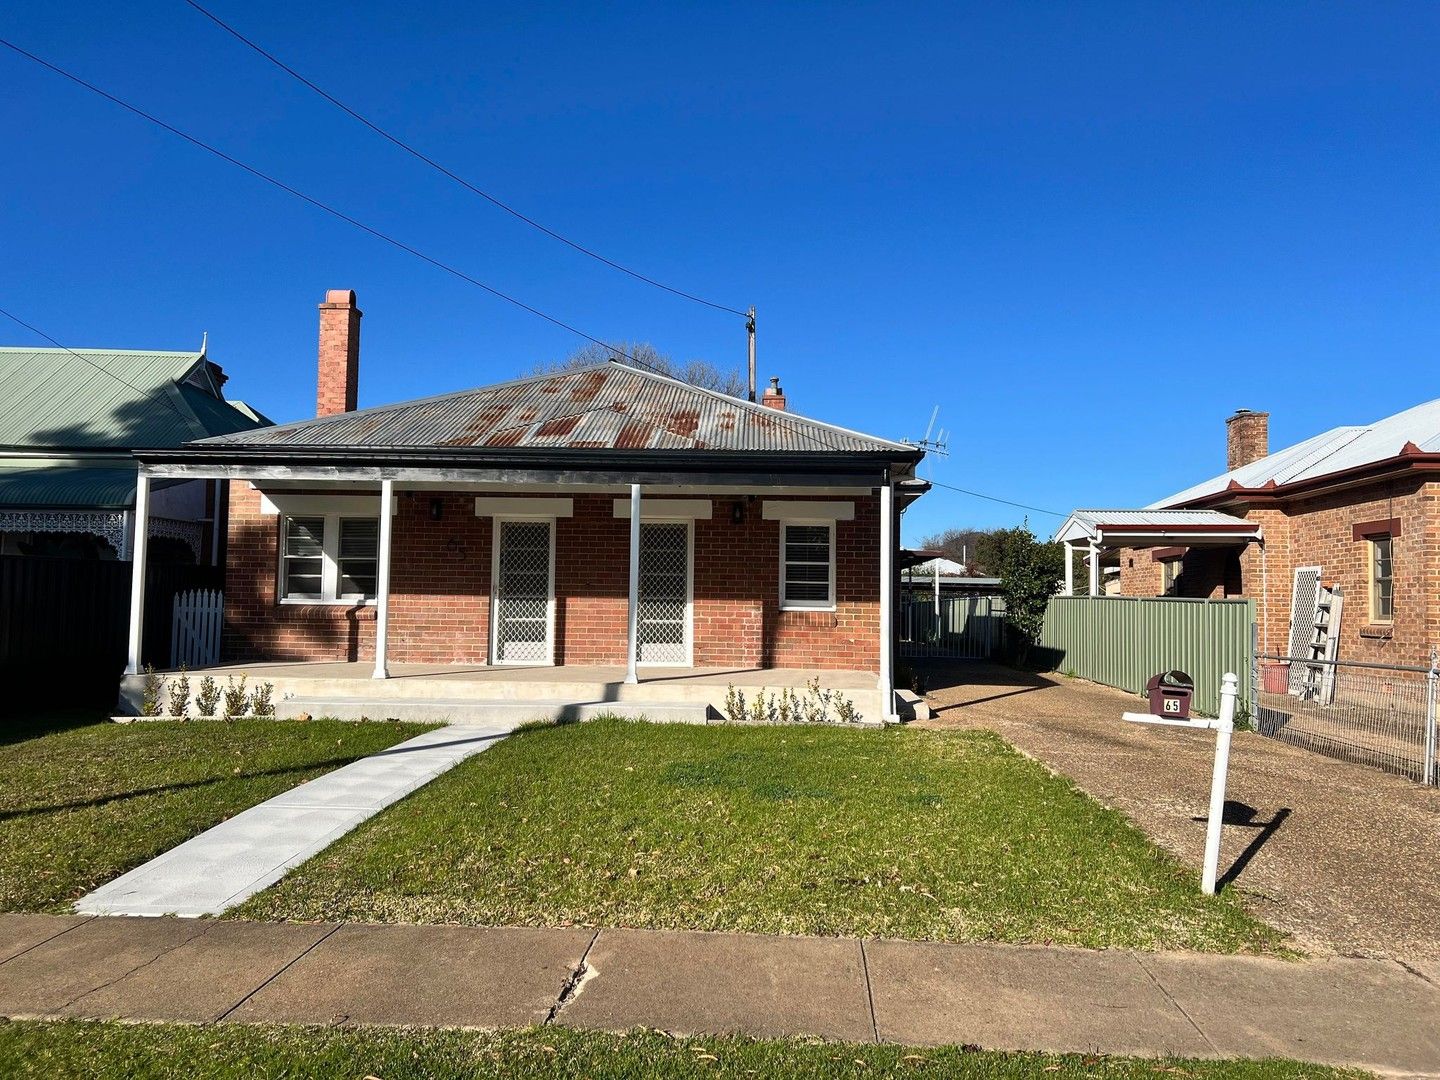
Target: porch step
[(473, 713)]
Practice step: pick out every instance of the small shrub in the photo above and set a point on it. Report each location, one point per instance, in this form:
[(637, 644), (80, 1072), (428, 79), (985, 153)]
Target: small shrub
[(260, 700), (236, 697), (150, 692), (734, 704), (786, 708), (179, 700), (762, 709), (845, 711), (207, 697)]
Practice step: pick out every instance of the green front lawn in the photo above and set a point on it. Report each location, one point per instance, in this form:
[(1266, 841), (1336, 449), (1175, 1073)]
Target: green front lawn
[(950, 836), (81, 803), (97, 1051)]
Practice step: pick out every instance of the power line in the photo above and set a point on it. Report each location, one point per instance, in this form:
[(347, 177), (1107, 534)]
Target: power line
[(992, 498), (98, 367), (341, 215), (420, 156)]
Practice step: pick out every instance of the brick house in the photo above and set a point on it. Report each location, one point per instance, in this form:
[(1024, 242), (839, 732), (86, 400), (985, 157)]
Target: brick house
[(604, 517), (1359, 507)]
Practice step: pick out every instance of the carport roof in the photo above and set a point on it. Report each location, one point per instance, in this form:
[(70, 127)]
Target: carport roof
[(1152, 528)]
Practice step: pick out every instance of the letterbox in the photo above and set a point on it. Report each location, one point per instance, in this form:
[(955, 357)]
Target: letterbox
[(1170, 693)]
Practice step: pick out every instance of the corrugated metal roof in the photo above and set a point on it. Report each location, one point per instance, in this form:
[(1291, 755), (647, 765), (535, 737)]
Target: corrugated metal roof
[(1089, 524), (52, 398), (68, 486), (1332, 451), (605, 406)]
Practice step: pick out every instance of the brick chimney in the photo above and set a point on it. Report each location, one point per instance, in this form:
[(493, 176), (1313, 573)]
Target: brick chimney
[(1247, 438), (339, 378), (774, 397)]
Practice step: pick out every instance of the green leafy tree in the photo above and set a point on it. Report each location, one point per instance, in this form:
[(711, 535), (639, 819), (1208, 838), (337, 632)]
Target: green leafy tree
[(1030, 571)]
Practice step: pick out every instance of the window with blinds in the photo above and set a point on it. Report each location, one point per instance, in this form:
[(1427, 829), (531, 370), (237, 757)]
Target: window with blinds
[(328, 558), (807, 565)]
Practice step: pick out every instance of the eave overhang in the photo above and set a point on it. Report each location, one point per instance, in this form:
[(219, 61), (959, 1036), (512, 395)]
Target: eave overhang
[(1410, 461)]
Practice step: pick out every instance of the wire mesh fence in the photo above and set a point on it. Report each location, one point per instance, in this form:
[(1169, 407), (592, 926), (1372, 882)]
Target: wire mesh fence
[(1374, 714)]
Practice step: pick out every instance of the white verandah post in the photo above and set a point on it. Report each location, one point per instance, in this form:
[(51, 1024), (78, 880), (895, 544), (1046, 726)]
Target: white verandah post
[(1069, 568), (633, 636), (382, 580), (887, 599), (139, 548), (1094, 560)]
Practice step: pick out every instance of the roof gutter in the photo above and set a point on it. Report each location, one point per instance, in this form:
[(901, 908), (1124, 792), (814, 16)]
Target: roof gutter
[(1417, 461)]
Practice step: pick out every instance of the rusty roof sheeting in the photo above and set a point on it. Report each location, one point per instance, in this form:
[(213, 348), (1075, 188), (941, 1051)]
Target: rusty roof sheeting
[(606, 406)]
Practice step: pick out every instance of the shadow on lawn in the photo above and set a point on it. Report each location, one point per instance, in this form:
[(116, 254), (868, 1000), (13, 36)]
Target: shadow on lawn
[(15, 729), (166, 789)]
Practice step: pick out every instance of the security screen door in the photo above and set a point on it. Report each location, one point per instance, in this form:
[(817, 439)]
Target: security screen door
[(524, 572), (663, 635)]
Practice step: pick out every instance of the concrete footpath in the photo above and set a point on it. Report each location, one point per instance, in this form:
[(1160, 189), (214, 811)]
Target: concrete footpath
[(231, 862), (1377, 1014)]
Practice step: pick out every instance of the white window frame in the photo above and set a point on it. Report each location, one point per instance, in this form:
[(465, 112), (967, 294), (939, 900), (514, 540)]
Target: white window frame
[(329, 561), (496, 521), (808, 605), (1374, 582)]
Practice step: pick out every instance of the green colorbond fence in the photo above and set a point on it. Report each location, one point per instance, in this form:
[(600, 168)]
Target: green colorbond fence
[(1122, 640)]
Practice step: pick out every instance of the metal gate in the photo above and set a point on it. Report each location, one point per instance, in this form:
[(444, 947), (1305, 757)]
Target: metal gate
[(663, 616), (965, 628), (524, 574)]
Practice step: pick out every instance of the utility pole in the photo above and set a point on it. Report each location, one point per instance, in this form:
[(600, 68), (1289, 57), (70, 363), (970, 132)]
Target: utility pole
[(750, 329)]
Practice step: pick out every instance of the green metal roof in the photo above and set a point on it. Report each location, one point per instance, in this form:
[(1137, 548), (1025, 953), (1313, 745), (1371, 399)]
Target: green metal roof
[(54, 399), (68, 486)]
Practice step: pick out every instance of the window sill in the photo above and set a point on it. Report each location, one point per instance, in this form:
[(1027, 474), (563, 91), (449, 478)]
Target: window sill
[(830, 610), (1381, 631), (298, 602)]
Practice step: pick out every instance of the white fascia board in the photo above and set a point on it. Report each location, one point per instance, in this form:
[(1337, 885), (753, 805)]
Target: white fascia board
[(798, 510), (520, 506), (295, 504), (666, 509)]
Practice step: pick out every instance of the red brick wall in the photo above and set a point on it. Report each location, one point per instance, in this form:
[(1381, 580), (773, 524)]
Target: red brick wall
[(1319, 532), (441, 578)]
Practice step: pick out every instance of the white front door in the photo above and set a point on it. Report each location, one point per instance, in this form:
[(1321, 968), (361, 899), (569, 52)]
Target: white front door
[(523, 609), (664, 634)]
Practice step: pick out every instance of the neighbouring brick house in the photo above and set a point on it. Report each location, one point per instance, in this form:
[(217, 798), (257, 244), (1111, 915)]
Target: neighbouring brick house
[(1360, 504), (764, 539)]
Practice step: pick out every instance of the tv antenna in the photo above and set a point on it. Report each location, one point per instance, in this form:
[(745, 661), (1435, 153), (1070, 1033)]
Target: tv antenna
[(938, 445)]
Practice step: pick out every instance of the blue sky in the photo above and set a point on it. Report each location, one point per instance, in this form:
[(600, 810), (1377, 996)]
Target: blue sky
[(1088, 232)]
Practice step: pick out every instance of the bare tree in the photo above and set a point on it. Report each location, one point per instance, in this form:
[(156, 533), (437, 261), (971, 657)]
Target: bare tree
[(963, 545), (645, 356)]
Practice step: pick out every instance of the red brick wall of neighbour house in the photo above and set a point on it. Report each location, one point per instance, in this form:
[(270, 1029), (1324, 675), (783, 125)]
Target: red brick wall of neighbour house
[(441, 579), (1322, 534)]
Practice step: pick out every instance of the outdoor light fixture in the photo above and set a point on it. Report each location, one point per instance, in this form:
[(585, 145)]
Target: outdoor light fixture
[(737, 513), (437, 509)]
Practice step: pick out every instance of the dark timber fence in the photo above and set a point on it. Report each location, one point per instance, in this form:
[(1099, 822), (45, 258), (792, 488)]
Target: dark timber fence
[(68, 619), (1123, 640)]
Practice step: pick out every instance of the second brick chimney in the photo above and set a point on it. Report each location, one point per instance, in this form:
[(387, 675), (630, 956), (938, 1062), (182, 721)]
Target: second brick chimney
[(339, 377), (1247, 438), (774, 397)]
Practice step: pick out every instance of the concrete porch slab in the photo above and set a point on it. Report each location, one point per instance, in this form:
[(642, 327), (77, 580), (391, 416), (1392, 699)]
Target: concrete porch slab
[(696, 983), (432, 975), (20, 932), (228, 864), (1258, 1007), (1024, 998)]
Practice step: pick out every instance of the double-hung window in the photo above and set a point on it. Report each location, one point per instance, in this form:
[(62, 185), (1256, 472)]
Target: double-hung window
[(328, 558), (1382, 586), (807, 565)]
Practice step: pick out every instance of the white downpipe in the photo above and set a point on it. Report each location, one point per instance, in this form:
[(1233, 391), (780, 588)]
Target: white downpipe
[(634, 612), (887, 599), (1069, 568), (139, 548), (382, 580)]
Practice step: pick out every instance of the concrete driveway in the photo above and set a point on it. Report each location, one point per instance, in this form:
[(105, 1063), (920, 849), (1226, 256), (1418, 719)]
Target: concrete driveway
[(1344, 857)]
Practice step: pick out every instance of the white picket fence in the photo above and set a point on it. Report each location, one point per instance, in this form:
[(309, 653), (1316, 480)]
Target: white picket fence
[(195, 631)]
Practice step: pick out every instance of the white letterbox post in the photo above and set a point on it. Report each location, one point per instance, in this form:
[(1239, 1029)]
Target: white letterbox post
[(1223, 726)]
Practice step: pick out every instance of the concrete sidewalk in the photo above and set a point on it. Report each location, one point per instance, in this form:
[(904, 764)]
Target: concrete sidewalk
[(1376, 1014), (251, 851)]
